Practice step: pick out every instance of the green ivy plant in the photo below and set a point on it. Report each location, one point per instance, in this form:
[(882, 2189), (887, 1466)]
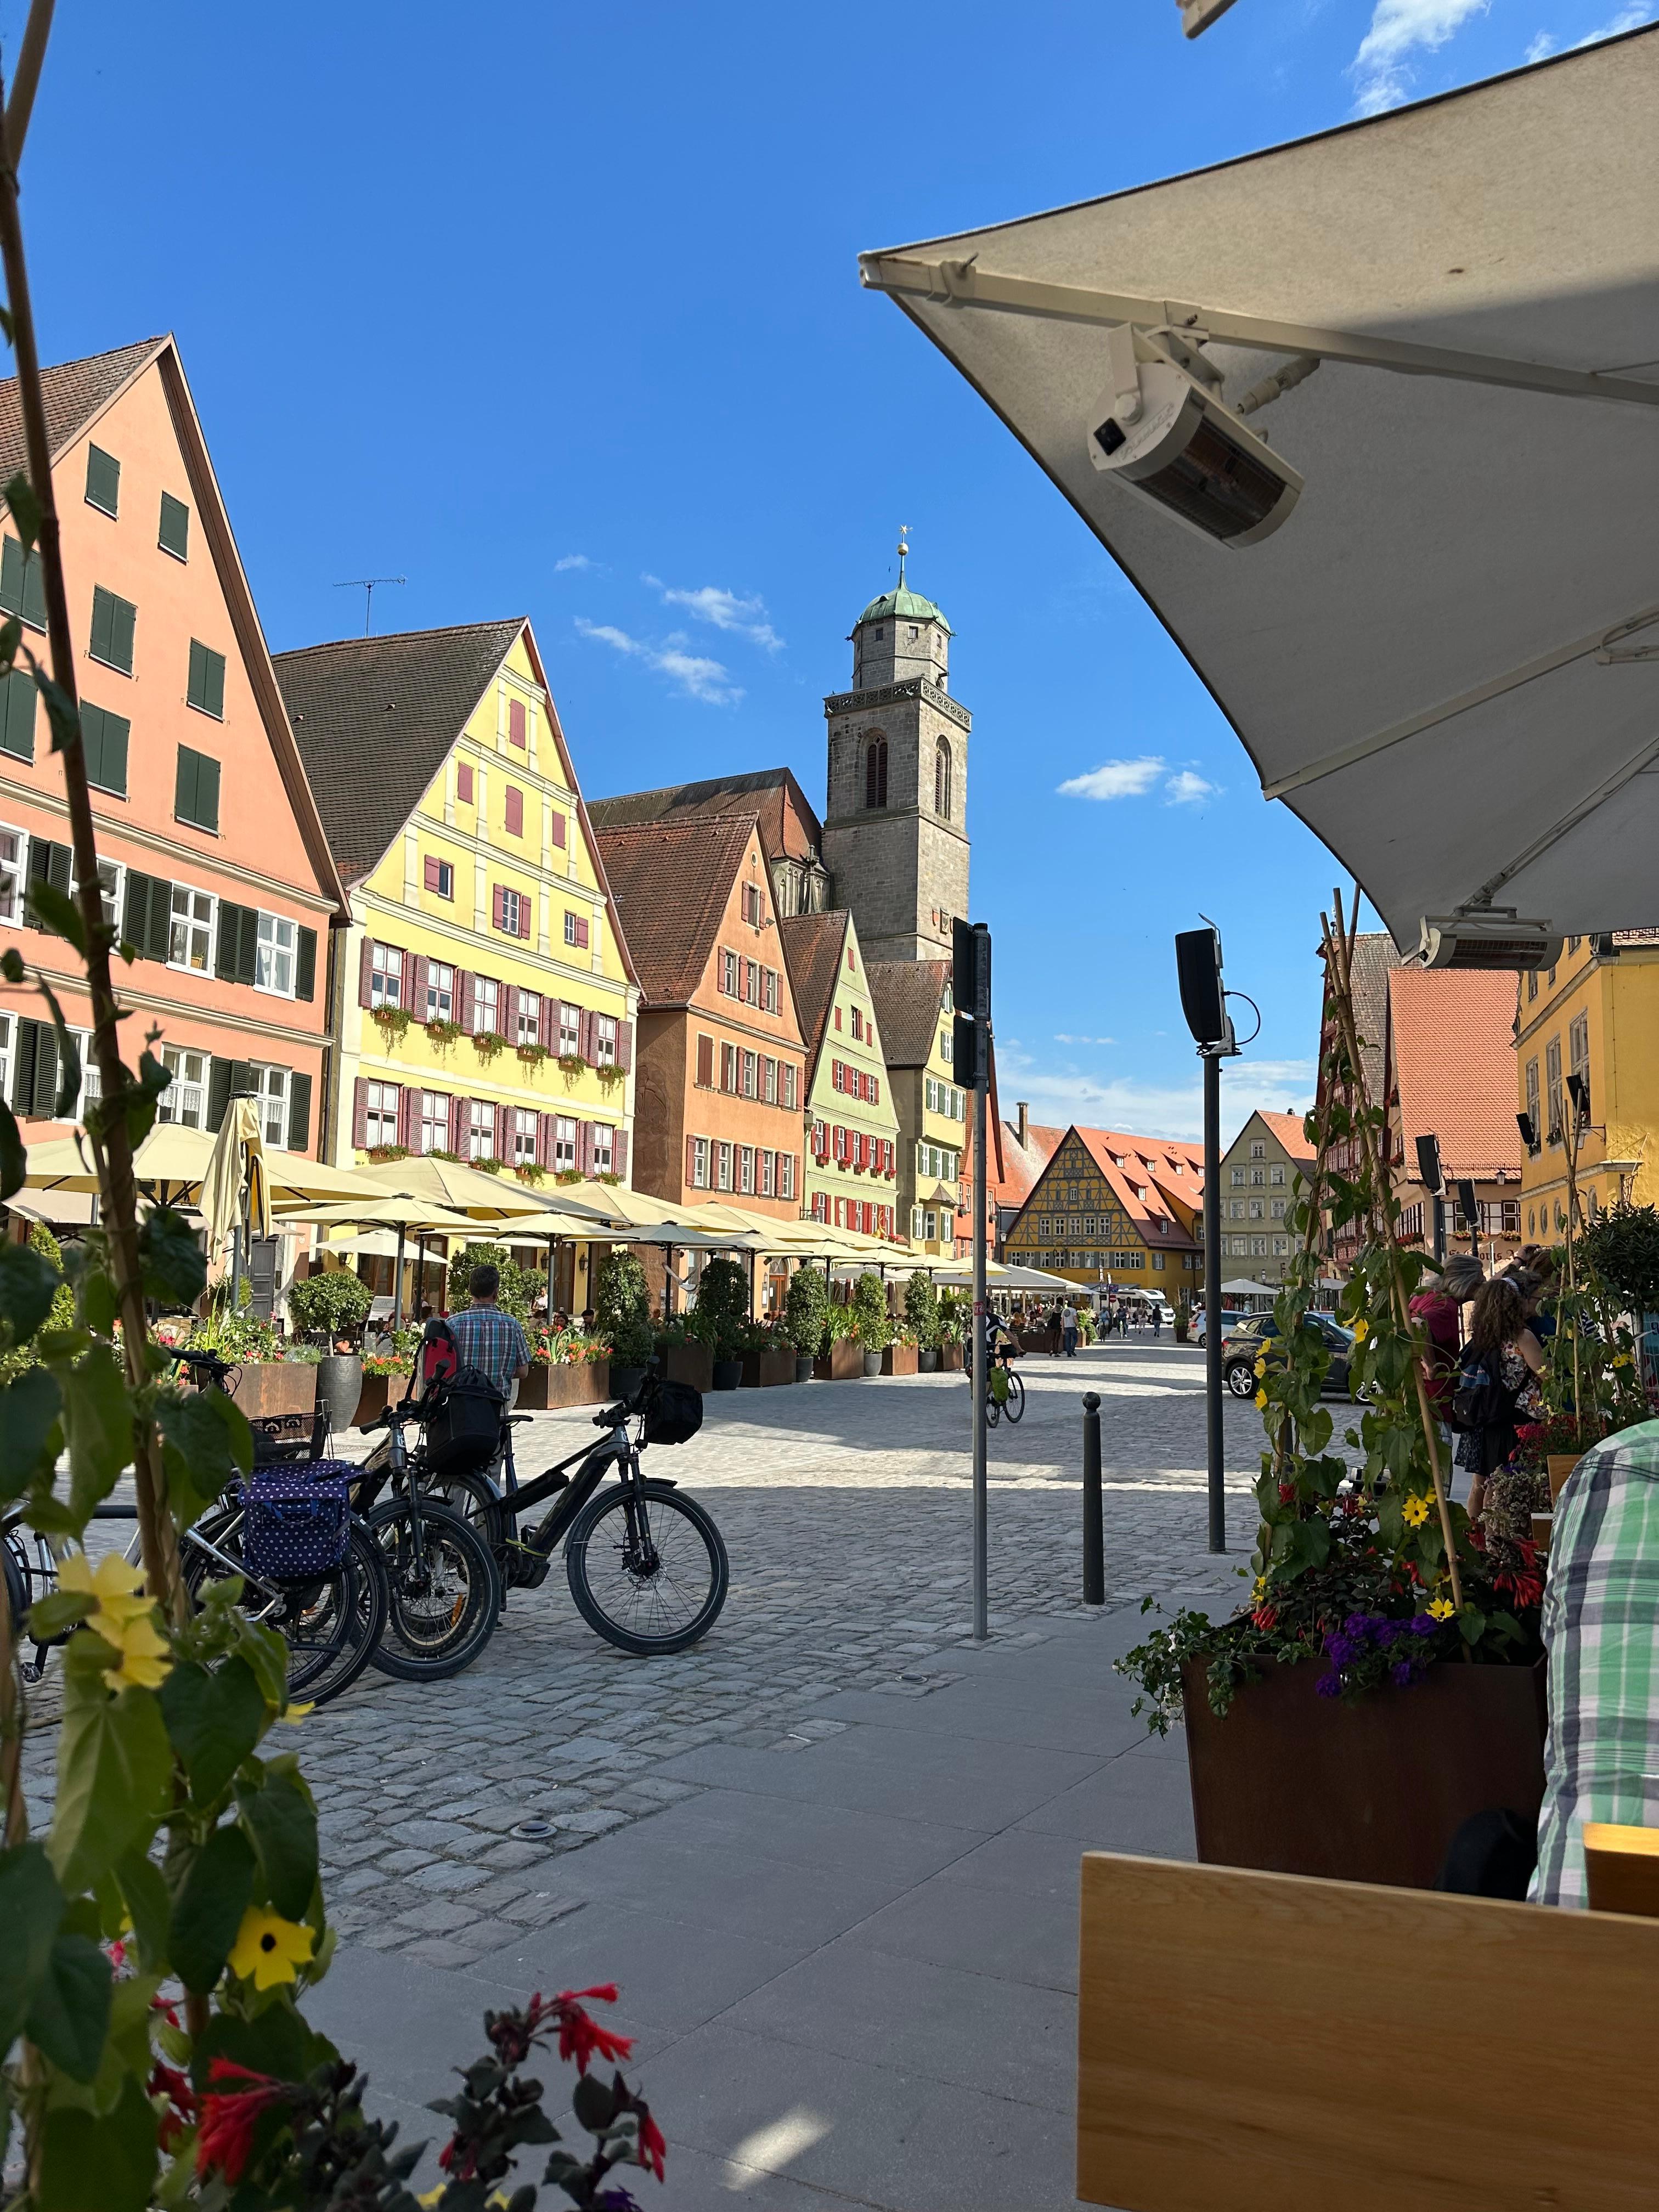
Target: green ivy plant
[(621, 1308), (805, 1304), (872, 1321), (921, 1314)]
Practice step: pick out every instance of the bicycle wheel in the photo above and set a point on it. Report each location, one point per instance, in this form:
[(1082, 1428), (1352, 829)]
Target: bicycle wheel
[(473, 1498), (649, 1573), (1016, 1405), (331, 1626), (445, 1594)]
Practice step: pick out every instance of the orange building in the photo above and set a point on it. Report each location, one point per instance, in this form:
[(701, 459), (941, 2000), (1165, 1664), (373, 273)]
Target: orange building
[(720, 1080), (215, 863)]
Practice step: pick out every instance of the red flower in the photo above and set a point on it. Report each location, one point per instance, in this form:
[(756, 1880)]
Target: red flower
[(226, 2139), (167, 2081), (1287, 1493), (1264, 1616), (652, 2148), (580, 2036)]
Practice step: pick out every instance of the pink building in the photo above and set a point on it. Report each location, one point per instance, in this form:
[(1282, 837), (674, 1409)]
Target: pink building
[(215, 865)]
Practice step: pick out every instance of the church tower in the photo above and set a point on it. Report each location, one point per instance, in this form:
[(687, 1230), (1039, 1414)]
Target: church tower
[(895, 836)]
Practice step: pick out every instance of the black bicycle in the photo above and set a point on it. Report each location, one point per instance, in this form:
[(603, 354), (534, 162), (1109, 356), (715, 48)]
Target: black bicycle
[(647, 1566), (444, 1585)]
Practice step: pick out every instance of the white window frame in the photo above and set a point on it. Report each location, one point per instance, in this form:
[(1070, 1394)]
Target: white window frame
[(790, 1080), (386, 977), (272, 952), (172, 1105), (723, 1165), (8, 1037), (17, 865), (426, 1125), (570, 1028), (381, 1113), (785, 1175), (512, 902), (603, 1152), (486, 1006), (271, 1100), (481, 1130), (526, 1122), (605, 1041), (564, 1143), (190, 923), (439, 992), (699, 1162), (746, 1169), (528, 1018)]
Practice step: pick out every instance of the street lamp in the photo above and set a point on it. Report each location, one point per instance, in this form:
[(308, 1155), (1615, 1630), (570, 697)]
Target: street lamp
[(1203, 1001)]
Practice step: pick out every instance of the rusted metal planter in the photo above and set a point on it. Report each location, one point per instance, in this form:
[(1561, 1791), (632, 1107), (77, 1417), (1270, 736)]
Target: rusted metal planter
[(766, 1371), (899, 1359), (372, 1398), (691, 1364), (266, 1388), (846, 1361), (1372, 1790), (949, 1358)]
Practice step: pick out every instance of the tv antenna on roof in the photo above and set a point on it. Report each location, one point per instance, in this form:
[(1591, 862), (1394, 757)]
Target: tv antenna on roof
[(366, 585)]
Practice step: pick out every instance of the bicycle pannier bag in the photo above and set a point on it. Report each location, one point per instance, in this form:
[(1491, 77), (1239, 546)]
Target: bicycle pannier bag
[(298, 1519), (675, 1414), (464, 1425)]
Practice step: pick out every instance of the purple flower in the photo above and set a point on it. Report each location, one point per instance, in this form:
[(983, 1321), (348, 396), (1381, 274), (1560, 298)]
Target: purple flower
[(1423, 1624), (1402, 1673), (1340, 1650), (1389, 1632), (1362, 1625), (1329, 1686)]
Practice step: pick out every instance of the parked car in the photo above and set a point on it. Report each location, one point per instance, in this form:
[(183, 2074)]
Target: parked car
[(1243, 1347), (1231, 1317)]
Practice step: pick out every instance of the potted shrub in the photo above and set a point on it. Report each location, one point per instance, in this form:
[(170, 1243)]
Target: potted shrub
[(922, 1319), (723, 1306), (334, 1302), (840, 1356), (1184, 1318), (622, 1307), (954, 1311), (871, 1320), (1384, 1680), (805, 1306), (685, 1352)]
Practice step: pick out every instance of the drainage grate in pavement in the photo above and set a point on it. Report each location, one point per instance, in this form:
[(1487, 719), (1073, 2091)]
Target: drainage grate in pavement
[(534, 1831)]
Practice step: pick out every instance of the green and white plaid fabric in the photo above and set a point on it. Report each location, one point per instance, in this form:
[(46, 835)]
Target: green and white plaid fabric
[(1600, 1627)]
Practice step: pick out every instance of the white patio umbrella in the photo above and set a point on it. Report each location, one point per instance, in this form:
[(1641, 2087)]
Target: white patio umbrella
[(1445, 657)]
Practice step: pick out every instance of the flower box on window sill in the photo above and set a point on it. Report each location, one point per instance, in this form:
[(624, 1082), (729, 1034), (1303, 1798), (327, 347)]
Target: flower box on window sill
[(440, 1035), (532, 1055), (391, 1021), (378, 1152), (608, 1073), (531, 1171), (487, 1044), (571, 1065)]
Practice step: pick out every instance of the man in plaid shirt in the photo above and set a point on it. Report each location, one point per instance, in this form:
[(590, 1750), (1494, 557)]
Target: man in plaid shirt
[(488, 1338), (1601, 1628)]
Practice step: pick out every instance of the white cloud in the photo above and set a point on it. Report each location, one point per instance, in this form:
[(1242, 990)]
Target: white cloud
[(1060, 1037), (571, 561), (1154, 1110), (1399, 28), (711, 602), (1119, 779), (1541, 47), (1186, 789), (1627, 19), (698, 678)]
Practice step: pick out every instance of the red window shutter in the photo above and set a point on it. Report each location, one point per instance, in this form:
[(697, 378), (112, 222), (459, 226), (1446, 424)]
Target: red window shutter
[(366, 971), (625, 1045), (582, 934), (515, 735), (585, 1147), (466, 999), (464, 782), (407, 1117), (503, 1132), (590, 1047), (875, 1091), (509, 1003), (514, 814), (430, 871), (498, 905), (558, 828), (415, 967), (525, 904), (359, 1111), (547, 1032), (691, 1163), (705, 1063), (619, 1154)]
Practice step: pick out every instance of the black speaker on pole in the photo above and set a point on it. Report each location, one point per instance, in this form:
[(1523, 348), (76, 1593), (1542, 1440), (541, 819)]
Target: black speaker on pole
[(1198, 967), (1428, 1164)]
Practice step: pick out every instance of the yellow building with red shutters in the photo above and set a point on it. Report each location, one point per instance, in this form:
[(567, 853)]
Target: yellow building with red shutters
[(483, 997)]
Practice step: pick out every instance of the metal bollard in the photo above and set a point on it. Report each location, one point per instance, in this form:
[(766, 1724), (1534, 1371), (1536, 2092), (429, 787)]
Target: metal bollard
[(1094, 1524)]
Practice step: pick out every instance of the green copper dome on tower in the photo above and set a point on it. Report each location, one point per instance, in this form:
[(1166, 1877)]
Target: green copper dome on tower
[(906, 605)]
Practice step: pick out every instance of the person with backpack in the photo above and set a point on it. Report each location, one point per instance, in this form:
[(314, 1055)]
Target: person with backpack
[(1495, 1391), (486, 1338)]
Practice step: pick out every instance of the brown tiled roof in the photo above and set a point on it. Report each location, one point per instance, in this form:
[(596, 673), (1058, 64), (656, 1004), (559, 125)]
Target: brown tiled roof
[(374, 719), (75, 392), (908, 996), (671, 881), (1023, 1164), (1288, 1128), (1374, 959), (789, 829), (1148, 1166), (1452, 1043), (812, 948)]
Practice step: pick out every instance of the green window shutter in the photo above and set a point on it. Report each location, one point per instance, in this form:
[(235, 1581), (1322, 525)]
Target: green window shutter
[(103, 480), (114, 621), (206, 691), (22, 1067), (299, 1112), (218, 1091), (247, 955), (135, 914), (305, 969), (174, 534), (242, 1081), (224, 964), (22, 585), (158, 941), (43, 1101), (104, 739), (17, 696), (196, 788)]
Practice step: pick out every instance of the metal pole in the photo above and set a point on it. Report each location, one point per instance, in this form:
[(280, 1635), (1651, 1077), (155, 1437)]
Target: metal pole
[(1094, 1524), (1213, 1297), (981, 1363), (398, 1283), (1439, 1227)]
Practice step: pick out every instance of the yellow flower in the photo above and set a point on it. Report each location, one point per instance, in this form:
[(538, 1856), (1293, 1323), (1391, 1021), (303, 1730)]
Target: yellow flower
[(268, 1948), (295, 1714), (1442, 1609), (1623, 1359), (1362, 1329), (123, 1615), (1261, 1397), (1262, 1364), (1260, 1590), (1416, 1511)]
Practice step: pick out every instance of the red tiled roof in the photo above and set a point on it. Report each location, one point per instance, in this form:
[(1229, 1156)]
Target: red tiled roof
[(672, 882), (75, 392), (789, 829), (1452, 1047), (812, 946), (1023, 1164), (1288, 1128)]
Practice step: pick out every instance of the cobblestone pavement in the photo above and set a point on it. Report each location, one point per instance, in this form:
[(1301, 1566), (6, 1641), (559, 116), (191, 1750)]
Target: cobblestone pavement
[(845, 1508)]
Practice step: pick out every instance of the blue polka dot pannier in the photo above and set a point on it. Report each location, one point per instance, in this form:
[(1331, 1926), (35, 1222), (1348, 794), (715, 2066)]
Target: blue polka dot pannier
[(298, 1519)]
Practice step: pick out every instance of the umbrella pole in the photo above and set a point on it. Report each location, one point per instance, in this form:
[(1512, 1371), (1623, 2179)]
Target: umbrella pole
[(420, 1272), (398, 1283), (552, 1247)]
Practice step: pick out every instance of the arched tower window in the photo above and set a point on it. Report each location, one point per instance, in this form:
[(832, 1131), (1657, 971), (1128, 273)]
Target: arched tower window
[(942, 781), (875, 773)]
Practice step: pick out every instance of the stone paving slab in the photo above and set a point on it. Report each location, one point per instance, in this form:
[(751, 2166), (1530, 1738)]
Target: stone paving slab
[(845, 1511)]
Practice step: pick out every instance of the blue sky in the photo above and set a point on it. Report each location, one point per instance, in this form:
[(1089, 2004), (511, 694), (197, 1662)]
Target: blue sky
[(553, 310)]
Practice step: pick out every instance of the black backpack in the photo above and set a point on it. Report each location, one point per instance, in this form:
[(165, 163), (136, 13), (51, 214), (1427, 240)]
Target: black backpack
[(1479, 1400), (463, 1418)]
